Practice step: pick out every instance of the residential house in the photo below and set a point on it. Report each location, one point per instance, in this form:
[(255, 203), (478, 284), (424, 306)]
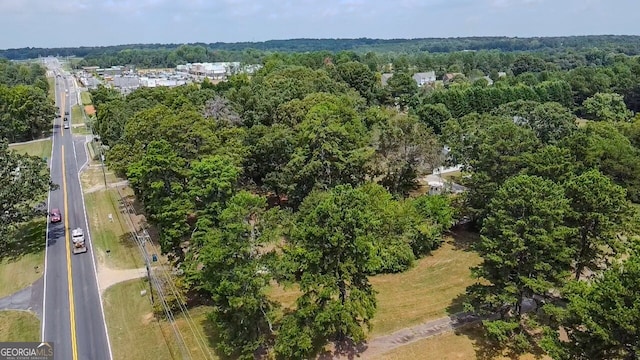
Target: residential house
[(423, 78), (420, 78), (448, 78), (385, 78)]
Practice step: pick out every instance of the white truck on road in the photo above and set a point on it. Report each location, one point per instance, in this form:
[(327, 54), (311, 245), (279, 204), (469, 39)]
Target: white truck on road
[(77, 237)]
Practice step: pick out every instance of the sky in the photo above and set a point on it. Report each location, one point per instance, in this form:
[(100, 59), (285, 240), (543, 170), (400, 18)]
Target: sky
[(62, 23)]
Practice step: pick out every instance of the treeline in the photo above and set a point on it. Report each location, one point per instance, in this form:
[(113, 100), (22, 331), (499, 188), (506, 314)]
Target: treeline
[(26, 111), (302, 175), (629, 45), (25, 183)]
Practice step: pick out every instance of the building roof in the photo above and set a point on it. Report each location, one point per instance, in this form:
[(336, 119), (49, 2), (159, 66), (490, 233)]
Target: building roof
[(385, 78)]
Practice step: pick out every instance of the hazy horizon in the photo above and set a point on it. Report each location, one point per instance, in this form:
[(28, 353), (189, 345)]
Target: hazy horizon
[(73, 23)]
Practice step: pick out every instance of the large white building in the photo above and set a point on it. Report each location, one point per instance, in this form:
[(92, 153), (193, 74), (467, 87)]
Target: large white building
[(218, 70)]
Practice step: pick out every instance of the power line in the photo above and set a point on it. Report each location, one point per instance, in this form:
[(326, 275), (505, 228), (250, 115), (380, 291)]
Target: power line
[(153, 281)]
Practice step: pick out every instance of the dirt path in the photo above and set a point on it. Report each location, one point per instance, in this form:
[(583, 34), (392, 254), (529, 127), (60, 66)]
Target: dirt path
[(108, 277), (382, 344), (101, 187)]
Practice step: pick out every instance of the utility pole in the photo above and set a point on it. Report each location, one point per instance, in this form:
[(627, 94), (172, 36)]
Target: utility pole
[(149, 277)]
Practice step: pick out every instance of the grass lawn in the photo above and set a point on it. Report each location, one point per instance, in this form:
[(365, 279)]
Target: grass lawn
[(16, 326), (40, 148), (129, 316), (111, 235), (18, 261), (92, 177), (85, 96), (425, 292), (76, 115), (465, 344), (80, 130)]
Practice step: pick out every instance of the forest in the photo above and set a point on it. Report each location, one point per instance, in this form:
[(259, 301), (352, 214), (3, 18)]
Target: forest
[(305, 174), (26, 111), (170, 55)]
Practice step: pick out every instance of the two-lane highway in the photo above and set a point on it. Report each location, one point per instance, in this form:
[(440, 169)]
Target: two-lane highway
[(73, 318)]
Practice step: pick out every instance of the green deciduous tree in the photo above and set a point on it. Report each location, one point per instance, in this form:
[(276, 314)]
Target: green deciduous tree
[(359, 77), (25, 182), (212, 181), (606, 107), (551, 122), (598, 211), (496, 154), (600, 145), (434, 115), (331, 149), (159, 180), (601, 318), (402, 89), (405, 149), (524, 245), (331, 243), (231, 265)]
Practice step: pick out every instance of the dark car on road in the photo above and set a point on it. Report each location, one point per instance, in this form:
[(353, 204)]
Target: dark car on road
[(55, 216)]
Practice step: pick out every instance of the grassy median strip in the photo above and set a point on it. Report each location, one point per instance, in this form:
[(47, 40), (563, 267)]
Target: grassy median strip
[(19, 326), (76, 115), (85, 96)]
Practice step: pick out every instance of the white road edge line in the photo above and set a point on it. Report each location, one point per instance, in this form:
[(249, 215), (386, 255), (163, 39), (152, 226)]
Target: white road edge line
[(93, 259), (46, 247)]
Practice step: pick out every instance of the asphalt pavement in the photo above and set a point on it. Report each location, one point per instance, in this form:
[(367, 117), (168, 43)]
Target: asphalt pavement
[(73, 318)]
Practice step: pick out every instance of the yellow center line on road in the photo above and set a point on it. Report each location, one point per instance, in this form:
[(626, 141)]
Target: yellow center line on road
[(72, 313)]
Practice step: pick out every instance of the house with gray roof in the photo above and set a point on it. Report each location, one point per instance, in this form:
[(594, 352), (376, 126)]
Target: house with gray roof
[(385, 78), (423, 78)]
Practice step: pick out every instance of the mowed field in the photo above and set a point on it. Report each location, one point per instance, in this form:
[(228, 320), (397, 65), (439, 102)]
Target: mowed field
[(40, 148), (19, 326)]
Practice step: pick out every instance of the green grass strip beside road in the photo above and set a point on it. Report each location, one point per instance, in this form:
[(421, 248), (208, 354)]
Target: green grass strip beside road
[(22, 260), (77, 115), (40, 148), (85, 96), (19, 326)]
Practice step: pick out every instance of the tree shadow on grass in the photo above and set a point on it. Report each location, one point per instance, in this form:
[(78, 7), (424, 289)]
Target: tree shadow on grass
[(28, 238), (343, 349), (213, 339), (127, 241), (484, 348), (463, 238)]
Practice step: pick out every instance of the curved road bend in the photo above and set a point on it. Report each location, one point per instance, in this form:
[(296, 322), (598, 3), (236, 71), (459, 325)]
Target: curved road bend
[(73, 318)]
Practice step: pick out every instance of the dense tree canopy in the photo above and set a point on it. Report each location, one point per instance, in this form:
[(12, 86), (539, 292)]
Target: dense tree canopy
[(25, 182), (26, 111), (307, 174)]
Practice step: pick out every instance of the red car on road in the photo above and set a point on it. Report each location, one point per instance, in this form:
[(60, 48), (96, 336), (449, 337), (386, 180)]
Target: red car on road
[(55, 216)]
